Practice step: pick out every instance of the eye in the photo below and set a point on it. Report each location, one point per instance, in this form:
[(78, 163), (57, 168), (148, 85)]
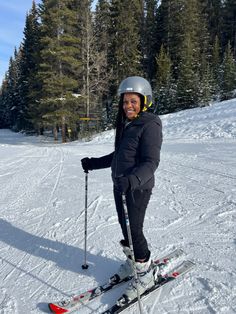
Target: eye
[(134, 102)]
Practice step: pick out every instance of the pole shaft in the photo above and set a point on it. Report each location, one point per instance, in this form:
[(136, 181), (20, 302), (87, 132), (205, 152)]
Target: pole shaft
[(85, 218)]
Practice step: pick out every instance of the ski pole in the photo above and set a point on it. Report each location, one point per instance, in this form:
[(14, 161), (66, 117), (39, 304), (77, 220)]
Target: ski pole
[(85, 265), (131, 248)]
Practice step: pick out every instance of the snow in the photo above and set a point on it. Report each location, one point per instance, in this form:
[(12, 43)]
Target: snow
[(193, 206)]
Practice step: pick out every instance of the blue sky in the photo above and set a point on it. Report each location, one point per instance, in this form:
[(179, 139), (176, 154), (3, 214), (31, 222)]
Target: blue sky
[(12, 23)]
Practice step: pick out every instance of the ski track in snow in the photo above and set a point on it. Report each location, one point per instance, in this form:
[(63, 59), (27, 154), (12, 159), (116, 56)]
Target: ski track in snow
[(193, 206)]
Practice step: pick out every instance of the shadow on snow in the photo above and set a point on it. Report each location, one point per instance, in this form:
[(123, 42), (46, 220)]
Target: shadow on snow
[(65, 256)]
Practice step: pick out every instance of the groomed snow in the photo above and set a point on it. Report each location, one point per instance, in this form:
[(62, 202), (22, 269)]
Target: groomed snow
[(193, 207)]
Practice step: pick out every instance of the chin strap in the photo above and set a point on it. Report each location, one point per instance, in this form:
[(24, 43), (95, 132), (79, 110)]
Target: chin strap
[(147, 103)]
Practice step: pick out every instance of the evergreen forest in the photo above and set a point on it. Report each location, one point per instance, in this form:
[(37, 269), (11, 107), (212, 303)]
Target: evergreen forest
[(64, 76)]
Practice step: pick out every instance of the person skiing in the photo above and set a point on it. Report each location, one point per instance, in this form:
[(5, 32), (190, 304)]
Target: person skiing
[(133, 162)]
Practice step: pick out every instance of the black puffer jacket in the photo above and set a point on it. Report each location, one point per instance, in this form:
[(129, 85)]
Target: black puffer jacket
[(138, 152)]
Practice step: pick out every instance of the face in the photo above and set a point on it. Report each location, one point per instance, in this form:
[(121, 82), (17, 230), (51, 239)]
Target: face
[(131, 105)]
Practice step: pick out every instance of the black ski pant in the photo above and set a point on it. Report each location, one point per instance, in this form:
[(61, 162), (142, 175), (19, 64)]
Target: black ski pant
[(137, 202)]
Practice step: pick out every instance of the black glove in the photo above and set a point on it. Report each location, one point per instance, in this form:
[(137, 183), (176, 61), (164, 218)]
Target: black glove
[(134, 182), (122, 184), (87, 164)]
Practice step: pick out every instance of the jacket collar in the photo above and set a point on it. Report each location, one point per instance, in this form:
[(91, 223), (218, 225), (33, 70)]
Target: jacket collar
[(141, 119)]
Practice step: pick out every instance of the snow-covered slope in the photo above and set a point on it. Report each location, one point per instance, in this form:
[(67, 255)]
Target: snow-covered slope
[(193, 206)]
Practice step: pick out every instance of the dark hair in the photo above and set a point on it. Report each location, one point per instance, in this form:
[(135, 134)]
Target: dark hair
[(120, 118)]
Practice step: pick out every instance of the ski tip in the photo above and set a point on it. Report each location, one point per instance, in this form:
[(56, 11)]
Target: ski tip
[(56, 309)]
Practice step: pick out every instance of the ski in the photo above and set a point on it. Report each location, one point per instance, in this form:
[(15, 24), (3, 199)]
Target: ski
[(183, 268), (74, 302)]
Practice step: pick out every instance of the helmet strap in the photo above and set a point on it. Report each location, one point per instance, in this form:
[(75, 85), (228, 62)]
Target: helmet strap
[(145, 108)]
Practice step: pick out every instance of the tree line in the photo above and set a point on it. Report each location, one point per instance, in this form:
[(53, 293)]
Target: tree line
[(65, 74)]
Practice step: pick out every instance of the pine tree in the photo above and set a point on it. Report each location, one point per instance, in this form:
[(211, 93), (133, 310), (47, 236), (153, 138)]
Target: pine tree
[(228, 78), (206, 84), (213, 11), (149, 39), (28, 84), (102, 23), (84, 32), (163, 88), (4, 113), (188, 76), (170, 29), (10, 100), (59, 64), (215, 66), (124, 55), (189, 57), (229, 25), (194, 78)]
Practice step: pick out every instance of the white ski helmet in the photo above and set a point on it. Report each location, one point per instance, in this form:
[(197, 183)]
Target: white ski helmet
[(137, 84)]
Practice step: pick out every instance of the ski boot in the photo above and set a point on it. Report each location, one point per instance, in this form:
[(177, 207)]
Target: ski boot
[(147, 274), (125, 269)]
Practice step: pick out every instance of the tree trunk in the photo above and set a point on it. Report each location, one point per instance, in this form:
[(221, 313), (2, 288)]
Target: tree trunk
[(63, 129), (55, 133)]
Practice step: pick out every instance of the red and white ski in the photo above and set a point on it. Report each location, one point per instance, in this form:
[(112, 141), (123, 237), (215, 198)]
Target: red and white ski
[(73, 303), (178, 271)]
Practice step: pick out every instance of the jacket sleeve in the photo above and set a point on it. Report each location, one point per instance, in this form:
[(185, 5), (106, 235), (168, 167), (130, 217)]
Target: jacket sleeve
[(102, 162), (149, 152)]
